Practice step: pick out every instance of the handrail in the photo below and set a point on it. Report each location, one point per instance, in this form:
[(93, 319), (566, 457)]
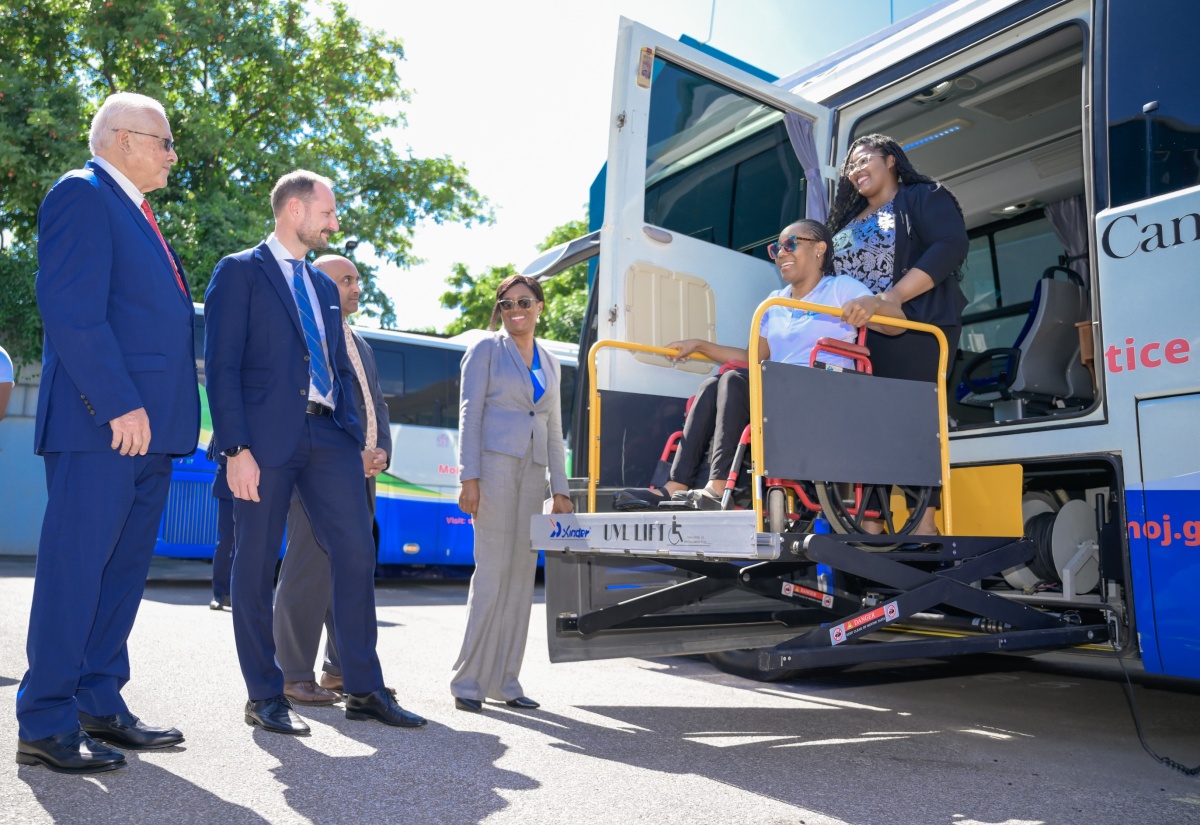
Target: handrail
[(594, 406), (756, 414)]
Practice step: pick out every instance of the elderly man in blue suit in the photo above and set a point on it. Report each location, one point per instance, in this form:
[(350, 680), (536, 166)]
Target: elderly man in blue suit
[(280, 390), (118, 399)]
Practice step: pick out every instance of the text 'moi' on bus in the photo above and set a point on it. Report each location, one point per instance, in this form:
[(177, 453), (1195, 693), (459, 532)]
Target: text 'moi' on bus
[(418, 523), (1069, 130)]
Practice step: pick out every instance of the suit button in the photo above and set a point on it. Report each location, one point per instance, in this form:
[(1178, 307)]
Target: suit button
[(306, 358), (304, 392), (531, 413)]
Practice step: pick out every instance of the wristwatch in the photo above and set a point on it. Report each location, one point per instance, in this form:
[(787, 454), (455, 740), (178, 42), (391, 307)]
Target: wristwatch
[(232, 451)]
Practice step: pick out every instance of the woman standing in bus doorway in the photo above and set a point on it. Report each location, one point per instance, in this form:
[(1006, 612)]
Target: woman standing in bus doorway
[(903, 235), (509, 434)]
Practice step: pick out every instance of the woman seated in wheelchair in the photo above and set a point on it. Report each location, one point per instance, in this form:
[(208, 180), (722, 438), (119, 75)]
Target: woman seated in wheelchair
[(721, 409)]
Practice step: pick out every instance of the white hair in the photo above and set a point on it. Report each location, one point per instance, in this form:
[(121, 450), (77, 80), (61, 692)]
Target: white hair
[(114, 113)]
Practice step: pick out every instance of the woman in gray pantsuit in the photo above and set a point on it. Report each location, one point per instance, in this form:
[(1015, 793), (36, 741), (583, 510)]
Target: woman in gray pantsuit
[(509, 434)]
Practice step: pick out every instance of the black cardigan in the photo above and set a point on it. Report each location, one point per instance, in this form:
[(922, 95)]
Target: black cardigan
[(931, 236)]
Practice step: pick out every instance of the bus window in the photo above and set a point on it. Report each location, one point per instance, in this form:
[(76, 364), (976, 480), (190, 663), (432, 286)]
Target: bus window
[(1153, 108), (719, 166), (419, 383), (198, 342)]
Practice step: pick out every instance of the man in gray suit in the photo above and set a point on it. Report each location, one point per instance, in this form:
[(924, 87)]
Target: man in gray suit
[(302, 598)]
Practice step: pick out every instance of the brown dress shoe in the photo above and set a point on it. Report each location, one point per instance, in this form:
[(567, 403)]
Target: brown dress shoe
[(308, 693), (331, 682)]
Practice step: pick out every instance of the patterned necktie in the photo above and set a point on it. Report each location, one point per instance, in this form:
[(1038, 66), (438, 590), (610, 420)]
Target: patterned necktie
[(372, 426), (318, 370), (150, 217)]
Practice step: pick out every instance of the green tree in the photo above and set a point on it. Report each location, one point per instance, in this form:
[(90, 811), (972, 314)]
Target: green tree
[(566, 293), (252, 90)]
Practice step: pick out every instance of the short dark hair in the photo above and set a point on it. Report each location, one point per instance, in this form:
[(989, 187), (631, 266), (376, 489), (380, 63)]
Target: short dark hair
[(507, 284), (297, 184)]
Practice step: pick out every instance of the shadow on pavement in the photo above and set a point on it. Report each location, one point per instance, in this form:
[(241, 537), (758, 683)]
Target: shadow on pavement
[(130, 794), (405, 777)]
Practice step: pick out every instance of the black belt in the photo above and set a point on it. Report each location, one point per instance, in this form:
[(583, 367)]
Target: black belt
[(317, 408)]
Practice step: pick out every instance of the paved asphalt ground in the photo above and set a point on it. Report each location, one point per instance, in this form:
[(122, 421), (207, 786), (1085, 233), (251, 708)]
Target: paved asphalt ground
[(991, 740)]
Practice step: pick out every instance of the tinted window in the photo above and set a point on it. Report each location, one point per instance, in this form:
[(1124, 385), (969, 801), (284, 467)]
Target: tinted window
[(719, 165), (1004, 264), (419, 383), (1152, 58)]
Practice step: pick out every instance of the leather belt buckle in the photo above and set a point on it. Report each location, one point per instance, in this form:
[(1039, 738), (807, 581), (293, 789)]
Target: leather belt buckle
[(317, 408)]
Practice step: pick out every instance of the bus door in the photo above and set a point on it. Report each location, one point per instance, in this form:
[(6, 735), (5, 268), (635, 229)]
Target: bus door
[(702, 174)]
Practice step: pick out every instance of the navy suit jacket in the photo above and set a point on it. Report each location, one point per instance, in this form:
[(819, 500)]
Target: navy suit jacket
[(118, 327), (256, 360)]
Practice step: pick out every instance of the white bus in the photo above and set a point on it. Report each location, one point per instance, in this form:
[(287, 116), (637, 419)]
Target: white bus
[(1069, 130)]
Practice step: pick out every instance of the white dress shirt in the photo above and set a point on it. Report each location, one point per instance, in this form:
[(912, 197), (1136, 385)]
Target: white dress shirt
[(284, 258)]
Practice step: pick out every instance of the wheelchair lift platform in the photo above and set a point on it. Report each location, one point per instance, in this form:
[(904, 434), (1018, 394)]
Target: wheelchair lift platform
[(925, 598)]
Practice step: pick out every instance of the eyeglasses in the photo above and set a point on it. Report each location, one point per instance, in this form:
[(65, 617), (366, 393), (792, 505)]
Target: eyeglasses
[(167, 143), (507, 304), (774, 250), (853, 166)]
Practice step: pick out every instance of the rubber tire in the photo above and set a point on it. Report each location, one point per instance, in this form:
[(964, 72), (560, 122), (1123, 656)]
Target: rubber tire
[(777, 515), (744, 663)]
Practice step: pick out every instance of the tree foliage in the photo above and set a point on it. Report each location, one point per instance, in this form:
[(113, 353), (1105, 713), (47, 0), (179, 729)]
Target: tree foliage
[(252, 91), (566, 293)]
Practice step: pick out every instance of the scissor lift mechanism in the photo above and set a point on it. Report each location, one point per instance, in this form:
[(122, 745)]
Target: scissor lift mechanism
[(729, 550)]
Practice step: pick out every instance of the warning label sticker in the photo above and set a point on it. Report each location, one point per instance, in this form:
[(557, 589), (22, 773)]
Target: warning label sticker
[(790, 589), (864, 622)]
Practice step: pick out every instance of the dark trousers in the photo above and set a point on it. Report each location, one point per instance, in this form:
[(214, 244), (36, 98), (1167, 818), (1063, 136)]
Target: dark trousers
[(97, 539), (302, 599), (222, 565), (719, 414), (327, 474)]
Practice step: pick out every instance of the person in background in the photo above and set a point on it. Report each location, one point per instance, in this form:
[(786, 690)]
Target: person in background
[(903, 235), (118, 400), (510, 436), (7, 379), (721, 409), (302, 595), (222, 563)]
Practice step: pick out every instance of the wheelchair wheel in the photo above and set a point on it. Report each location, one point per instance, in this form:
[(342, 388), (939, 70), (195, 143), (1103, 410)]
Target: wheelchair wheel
[(874, 497), (777, 510)]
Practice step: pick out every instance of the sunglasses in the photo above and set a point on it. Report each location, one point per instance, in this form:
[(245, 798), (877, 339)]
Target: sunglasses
[(167, 143), (774, 250), (507, 304)]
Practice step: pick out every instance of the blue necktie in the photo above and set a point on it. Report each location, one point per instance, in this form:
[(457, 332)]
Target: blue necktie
[(317, 368)]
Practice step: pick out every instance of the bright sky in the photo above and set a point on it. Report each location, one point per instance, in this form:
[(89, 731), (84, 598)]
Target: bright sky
[(519, 92)]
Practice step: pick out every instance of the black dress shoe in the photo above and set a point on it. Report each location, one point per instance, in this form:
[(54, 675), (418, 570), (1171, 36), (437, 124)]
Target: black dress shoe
[(469, 705), (522, 702), (70, 752), (218, 603), (275, 715), (382, 707), (127, 731)]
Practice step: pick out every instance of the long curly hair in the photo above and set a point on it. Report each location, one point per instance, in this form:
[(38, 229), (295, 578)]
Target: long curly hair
[(847, 202)]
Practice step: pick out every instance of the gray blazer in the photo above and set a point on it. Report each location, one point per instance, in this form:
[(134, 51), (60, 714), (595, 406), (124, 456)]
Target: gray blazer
[(496, 410)]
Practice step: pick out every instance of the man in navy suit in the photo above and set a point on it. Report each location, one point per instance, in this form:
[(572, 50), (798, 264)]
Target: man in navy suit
[(280, 390), (118, 399)]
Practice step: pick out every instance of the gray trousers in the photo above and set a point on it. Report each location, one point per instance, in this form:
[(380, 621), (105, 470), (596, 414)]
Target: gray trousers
[(303, 599), (511, 490)]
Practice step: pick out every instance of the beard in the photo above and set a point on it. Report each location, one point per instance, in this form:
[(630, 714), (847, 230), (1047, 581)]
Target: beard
[(315, 239)]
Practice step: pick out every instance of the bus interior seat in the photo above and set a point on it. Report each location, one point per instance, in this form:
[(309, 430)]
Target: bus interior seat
[(1042, 370)]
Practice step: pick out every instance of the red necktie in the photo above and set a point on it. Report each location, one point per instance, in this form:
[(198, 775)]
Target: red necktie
[(150, 217)]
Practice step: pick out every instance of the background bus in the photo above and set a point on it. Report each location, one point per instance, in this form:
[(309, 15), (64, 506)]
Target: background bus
[(418, 522), (1070, 134)]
